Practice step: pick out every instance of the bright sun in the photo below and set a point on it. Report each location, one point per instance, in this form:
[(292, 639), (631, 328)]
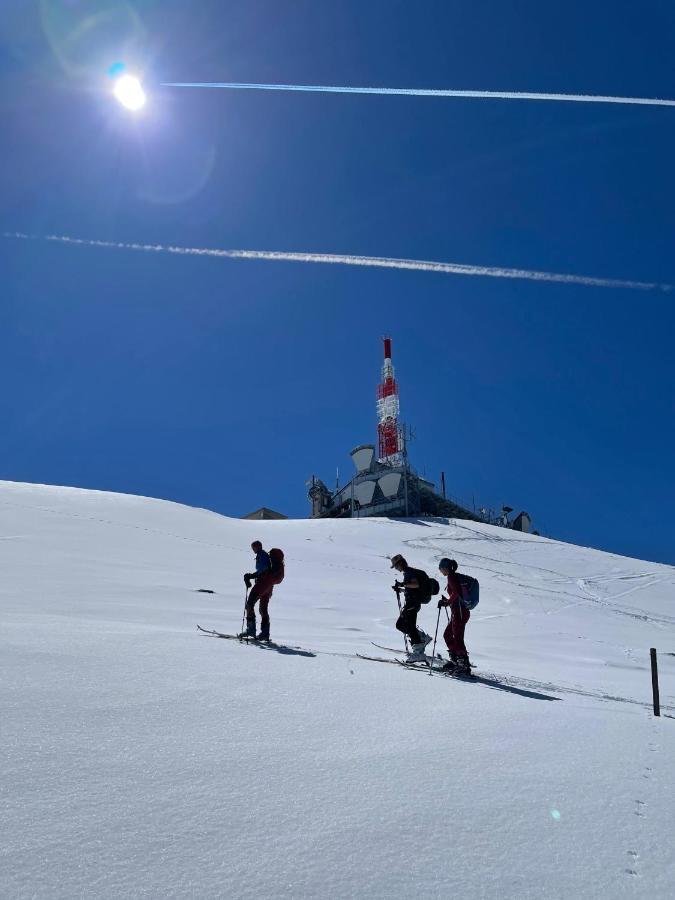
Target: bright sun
[(129, 92)]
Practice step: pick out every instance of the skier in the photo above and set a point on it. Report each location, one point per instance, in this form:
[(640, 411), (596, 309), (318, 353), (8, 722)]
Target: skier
[(412, 586), (454, 634), (268, 572)]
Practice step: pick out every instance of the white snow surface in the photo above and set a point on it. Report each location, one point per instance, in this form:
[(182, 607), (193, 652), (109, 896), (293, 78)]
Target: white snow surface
[(143, 759)]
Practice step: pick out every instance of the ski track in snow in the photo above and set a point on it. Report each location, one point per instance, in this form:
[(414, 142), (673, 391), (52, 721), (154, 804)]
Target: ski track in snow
[(476, 561), (493, 680)]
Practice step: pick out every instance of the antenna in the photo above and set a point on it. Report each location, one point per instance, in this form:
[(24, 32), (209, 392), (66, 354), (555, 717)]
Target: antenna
[(390, 440)]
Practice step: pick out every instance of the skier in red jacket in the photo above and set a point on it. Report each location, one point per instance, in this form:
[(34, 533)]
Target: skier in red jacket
[(454, 634)]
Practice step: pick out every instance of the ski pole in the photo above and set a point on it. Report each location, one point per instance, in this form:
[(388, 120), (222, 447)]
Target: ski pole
[(433, 652), (400, 612), (244, 614)]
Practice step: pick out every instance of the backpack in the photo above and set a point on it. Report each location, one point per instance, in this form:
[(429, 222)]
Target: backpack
[(470, 591), (277, 565), (428, 587)]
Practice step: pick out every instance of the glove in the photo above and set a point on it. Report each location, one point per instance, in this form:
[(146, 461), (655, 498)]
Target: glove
[(443, 602), (397, 586), (247, 580)]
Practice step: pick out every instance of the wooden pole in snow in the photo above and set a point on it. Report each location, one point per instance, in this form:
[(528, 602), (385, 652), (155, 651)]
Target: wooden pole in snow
[(655, 682)]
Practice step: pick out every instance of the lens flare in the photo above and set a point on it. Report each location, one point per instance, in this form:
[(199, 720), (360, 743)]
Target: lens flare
[(116, 69), (129, 92)]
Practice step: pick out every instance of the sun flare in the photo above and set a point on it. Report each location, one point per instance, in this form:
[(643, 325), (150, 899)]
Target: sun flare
[(129, 92)]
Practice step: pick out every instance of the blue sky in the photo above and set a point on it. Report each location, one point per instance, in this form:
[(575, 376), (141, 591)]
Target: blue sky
[(227, 383)]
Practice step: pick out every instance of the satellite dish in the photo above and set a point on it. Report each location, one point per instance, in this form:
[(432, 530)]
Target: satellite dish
[(362, 457), (364, 492), (389, 484)]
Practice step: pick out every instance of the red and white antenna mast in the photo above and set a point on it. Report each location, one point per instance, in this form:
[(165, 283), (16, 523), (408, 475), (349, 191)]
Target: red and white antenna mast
[(388, 432)]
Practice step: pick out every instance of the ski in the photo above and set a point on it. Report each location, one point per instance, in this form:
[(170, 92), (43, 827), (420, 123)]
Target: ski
[(229, 637), (461, 676), (421, 664), (249, 640), (393, 662), (437, 657), (390, 649), (424, 667)]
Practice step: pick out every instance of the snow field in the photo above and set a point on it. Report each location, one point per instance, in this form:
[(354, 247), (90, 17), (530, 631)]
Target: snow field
[(142, 759)]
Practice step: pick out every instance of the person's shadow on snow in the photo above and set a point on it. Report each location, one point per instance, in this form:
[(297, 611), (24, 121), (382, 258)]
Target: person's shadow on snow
[(500, 686), (284, 651)]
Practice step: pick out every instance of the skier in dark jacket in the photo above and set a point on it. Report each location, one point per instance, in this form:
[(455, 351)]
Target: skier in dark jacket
[(262, 591), (407, 620), (454, 634)]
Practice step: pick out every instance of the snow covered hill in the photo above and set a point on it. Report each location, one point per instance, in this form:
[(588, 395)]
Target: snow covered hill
[(142, 759)]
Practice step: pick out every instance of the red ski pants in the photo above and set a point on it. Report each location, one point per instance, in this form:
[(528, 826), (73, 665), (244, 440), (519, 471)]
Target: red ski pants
[(454, 633), (261, 591)]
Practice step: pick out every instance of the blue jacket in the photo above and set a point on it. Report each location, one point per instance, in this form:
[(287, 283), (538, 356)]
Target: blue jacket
[(262, 562)]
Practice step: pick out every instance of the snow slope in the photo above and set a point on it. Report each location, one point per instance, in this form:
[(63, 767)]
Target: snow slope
[(142, 759)]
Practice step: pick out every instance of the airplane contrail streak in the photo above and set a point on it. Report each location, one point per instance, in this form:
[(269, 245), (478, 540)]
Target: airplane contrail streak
[(380, 262), (426, 92)]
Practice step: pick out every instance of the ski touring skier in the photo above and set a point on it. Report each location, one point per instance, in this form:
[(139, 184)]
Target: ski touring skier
[(414, 587), (269, 571), (462, 597)]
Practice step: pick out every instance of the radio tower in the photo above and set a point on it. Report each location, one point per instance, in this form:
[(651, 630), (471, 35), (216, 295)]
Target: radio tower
[(388, 432)]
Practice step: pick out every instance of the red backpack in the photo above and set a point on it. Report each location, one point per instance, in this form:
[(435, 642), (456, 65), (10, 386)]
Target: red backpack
[(277, 569)]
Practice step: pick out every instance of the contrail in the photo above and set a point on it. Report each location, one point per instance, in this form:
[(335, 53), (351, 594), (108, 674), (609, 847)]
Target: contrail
[(379, 262), (426, 92)]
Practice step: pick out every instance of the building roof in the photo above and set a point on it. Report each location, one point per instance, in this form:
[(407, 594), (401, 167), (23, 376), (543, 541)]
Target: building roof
[(265, 513)]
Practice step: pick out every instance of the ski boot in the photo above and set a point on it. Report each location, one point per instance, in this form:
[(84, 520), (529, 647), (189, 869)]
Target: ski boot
[(264, 636), (462, 667), (417, 653), (249, 634), (451, 665), (424, 638)]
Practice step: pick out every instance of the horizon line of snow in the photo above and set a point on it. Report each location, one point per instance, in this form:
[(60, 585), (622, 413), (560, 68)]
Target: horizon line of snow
[(382, 262), (425, 92)]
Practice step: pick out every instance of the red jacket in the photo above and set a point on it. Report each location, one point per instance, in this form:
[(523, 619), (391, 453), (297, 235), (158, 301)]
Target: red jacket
[(454, 587)]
